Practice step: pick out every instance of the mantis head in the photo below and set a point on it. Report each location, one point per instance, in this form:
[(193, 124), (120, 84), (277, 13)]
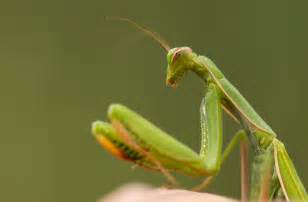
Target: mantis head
[(179, 62)]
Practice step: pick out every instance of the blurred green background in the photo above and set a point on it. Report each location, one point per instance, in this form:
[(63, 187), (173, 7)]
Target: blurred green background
[(62, 64)]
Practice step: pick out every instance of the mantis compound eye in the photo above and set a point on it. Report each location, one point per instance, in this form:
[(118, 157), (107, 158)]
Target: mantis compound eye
[(171, 54), (178, 52), (176, 55)]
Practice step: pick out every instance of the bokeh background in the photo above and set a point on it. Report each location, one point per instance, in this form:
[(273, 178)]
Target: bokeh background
[(62, 64)]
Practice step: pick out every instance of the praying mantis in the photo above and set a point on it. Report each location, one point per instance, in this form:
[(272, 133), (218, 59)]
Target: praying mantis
[(131, 137)]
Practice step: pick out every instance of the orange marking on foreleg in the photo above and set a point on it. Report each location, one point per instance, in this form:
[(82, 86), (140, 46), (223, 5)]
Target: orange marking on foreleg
[(110, 147), (127, 139)]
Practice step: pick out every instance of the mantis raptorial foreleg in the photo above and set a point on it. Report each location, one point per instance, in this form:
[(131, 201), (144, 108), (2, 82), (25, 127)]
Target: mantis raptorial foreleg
[(133, 138), (211, 127)]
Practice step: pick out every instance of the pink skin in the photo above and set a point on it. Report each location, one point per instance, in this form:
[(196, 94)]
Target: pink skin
[(137, 192)]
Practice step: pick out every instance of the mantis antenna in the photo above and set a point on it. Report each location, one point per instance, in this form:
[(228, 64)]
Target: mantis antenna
[(146, 31)]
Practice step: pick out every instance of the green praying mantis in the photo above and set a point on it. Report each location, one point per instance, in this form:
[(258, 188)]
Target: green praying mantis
[(131, 137)]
